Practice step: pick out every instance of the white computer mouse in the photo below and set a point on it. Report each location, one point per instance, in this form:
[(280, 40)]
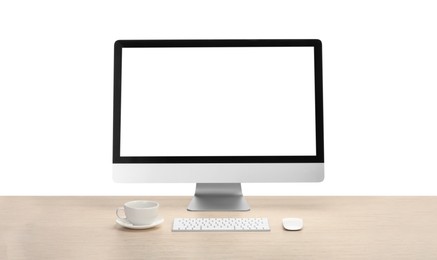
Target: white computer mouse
[(292, 224)]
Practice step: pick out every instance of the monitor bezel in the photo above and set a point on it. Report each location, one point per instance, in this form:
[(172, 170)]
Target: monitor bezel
[(120, 44)]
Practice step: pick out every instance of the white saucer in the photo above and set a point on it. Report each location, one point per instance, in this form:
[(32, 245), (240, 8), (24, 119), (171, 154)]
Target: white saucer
[(125, 223)]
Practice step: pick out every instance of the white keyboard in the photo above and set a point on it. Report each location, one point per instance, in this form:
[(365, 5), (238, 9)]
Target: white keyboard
[(220, 224)]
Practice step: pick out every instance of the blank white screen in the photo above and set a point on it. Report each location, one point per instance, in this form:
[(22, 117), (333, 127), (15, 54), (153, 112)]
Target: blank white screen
[(228, 101)]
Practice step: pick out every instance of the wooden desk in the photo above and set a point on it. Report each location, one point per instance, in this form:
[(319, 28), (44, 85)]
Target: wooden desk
[(335, 228)]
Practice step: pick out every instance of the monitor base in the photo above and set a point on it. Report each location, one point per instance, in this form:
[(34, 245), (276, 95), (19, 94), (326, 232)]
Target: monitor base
[(218, 197)]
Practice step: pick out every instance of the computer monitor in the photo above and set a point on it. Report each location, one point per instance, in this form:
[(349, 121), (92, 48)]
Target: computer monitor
[(218, 113)]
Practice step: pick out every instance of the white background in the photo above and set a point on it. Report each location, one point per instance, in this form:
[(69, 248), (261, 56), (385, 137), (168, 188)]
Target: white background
[(380, 88), (217, 101)]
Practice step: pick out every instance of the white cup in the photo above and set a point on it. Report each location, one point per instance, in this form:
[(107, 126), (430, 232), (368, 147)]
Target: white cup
[(139, 212)]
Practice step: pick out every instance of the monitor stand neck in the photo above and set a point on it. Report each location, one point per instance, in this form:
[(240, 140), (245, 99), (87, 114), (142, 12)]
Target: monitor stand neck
[(218, 197)]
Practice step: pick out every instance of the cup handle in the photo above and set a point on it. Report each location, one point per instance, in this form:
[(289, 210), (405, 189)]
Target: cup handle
[(116, 212)]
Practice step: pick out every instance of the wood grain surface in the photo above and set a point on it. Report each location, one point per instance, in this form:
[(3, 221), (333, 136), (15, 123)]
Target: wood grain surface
[(334, 228)]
